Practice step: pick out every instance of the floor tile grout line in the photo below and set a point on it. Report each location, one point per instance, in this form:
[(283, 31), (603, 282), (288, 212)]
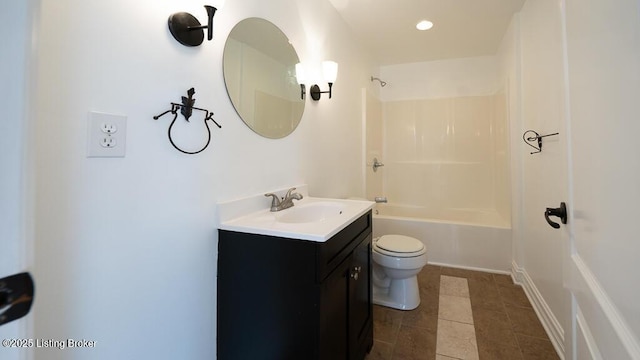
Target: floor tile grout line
[(461, 297), (459, 322), (450, 357)]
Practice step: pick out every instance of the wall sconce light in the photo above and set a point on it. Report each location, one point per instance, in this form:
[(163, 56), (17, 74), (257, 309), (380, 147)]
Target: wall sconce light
[(187, 29), (329, 73)]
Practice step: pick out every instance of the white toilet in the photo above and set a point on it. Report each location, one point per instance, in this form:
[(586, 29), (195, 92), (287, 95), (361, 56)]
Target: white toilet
[(397, 260)]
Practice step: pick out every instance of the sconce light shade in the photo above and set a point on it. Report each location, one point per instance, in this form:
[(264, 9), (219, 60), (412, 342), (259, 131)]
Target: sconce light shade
[(330, 71), (187, 29)]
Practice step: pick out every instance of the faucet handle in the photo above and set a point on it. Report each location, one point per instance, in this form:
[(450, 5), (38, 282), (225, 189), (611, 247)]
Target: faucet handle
[(293, 195), (289, 193), (275, 201)]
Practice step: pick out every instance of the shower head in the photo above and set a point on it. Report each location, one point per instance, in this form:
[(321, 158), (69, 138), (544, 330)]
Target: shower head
[(382, 83)]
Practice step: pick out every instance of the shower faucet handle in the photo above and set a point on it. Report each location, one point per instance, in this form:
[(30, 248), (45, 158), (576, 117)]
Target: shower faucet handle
[(376, 164)]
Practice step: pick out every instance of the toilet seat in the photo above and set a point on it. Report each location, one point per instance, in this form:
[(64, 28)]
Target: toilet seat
[(399, 246)]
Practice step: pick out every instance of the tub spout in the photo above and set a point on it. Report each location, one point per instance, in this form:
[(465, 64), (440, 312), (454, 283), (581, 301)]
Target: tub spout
[(381, 199)]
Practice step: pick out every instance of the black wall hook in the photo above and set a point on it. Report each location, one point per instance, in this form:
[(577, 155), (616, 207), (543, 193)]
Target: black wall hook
[(537, 139), (186, 109)]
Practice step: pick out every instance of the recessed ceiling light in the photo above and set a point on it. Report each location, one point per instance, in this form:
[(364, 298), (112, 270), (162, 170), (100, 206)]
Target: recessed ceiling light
[(424, 25)]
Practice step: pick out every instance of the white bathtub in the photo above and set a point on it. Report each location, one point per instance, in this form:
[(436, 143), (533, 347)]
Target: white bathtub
[(464, 238)]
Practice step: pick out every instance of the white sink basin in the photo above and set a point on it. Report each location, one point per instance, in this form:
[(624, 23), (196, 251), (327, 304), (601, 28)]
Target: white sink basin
[(314, 219), (311, 212)]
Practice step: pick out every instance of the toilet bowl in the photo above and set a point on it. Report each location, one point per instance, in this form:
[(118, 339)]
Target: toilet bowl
[(397, 260)]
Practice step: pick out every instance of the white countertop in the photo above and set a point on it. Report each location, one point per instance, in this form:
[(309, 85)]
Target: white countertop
[(265, 222)]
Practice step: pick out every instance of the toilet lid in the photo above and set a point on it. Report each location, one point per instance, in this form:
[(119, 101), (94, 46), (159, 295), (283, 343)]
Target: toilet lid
[(399, 244)]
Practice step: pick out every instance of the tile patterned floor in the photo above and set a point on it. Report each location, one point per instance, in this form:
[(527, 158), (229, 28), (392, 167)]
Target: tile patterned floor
[(456, 338), (505, 325)]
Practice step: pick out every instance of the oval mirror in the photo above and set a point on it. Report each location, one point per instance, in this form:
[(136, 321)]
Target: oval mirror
[(259, 72)]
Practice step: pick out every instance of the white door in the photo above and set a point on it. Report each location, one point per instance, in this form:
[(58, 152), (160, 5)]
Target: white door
[(15, 30), (603, 72)]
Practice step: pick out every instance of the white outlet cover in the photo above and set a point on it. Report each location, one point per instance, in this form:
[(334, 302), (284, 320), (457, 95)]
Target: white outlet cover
[(96, 136)]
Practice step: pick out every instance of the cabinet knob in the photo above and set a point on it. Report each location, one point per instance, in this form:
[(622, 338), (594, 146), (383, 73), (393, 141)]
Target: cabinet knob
[(356, 271)]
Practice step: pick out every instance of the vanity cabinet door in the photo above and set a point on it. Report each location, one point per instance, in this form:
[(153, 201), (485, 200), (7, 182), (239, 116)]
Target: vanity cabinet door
[(346, 307), (334, 314), (360, 301)]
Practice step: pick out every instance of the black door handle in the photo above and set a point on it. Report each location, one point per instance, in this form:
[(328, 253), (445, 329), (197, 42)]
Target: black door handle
[(16, 295), (560, 212)]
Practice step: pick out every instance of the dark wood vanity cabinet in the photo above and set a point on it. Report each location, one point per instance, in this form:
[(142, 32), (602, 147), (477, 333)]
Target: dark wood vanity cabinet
[(281, 298)]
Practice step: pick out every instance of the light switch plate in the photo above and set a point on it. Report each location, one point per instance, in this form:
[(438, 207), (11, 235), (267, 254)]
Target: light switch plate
[(107, 135)]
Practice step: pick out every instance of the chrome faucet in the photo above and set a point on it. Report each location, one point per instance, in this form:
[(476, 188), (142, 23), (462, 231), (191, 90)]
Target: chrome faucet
[(287, 200)]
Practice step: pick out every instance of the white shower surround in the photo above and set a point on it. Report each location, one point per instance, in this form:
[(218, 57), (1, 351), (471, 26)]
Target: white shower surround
[(441, 129)]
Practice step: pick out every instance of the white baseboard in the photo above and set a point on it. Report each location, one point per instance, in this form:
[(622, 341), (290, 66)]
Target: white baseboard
[(547, 318), (493, 271)]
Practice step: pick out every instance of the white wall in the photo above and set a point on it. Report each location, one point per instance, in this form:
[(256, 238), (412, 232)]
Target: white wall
[(544, 174), (126, 247), (531, 57), (15, 35), (509, 65)]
